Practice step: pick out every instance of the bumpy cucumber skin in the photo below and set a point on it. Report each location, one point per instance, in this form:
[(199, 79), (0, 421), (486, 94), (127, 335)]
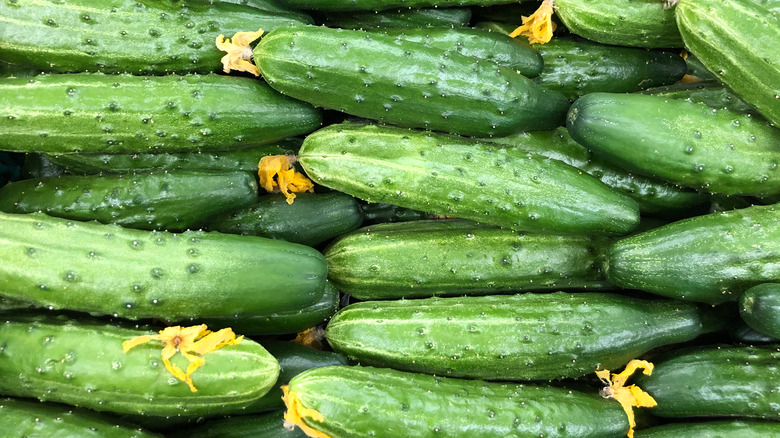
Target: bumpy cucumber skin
[(172, 201), (712, 258), (759, 307), (716, 381), (379, 5), (19, 418), (682, 142), (365, 401), (107, 269), (464, 178), (575, 67), (81, 363), (270, 425), (400, 18), (381, 77), (711, 93), (441, 257), (118, 36), (97, 113), (713, 429), (310, 220), (737, 41), (635, 23), (518, 337)]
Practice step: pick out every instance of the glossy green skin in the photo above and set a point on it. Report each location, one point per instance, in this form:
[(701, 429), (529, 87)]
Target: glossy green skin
[(20, 418), (716, 381), (444, 257), (378, 5), (729, 252), (695, 68), (575, 67), (385, 78), (107, 269), (464, 178), (685, 143), (406, 18), (126, 36), (270, 425), (310, 220), (40, 166), (741, 333), (173, 201), (759, 307), (737, 41), (81, 363), (378, 213), (711, 93), (97, 113), (361, 402), (542, 336), (244, 159), (713, 429), (654, 196), (634, 23)]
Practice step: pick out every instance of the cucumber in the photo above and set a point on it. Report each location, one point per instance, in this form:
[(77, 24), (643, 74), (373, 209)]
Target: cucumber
[(711, 93), (107, 269), (716, 381), (385, 78), (542, 336), (379, 5), (270, 425), (20, 418), (378, 213), (575, 67), (741, 333), (759, 307), (118, 36), (713, 429), (40, 166), (173, 201), (444, 257), (310, 220), (721, 203), (81, 363), (737, 41), (729, 253), (97, 113), (464, 178), (682, 142), (699, 71), (364, 402), (635, 23), (244, 159), (406, 18)]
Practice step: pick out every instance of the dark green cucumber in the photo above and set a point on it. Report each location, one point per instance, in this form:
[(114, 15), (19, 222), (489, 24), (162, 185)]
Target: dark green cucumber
[(737, 41), (729, 252), (682, 142), (741, 333), (379, 5), (716, 381), (518, 337), (107, 269), (40, 166), (173, 201), (719, 203), (378, 213), (270, 425), (366, 402), (310, 220), (464, 178), (244, 159), (711, 93), (759, 307), (21, 418), (407, 18), (118, 36), (81, 363), (635, 23), (697, 70), (382, 77), (97, 113), (443, 257), (713, 429)]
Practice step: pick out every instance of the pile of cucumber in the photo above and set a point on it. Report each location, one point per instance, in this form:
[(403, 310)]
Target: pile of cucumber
[(493, 221)]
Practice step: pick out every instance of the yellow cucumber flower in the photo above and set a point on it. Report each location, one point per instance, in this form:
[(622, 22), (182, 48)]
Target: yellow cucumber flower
[(539, 26), (277, 174), (628, 396), (239, 54), (295, 413)]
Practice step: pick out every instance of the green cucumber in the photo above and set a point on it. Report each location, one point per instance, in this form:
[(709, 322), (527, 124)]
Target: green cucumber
[(20, 418), (759, 307), (407, 18), (244, 159), (81, 363), (741, 333), (173, 201), (682, 142), (711, 93), (310, 220), (386, 78), (107, 269), (635, 23), (379, 5), (713, 429), (270, 425), (366, 402), (464, 178), (518, 337), (719, 203), (716, 381), (378, 213), (40, 166), (97, 113), (444, 257), (729, 252), (737, 41), (697, 70), (118, 36)]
